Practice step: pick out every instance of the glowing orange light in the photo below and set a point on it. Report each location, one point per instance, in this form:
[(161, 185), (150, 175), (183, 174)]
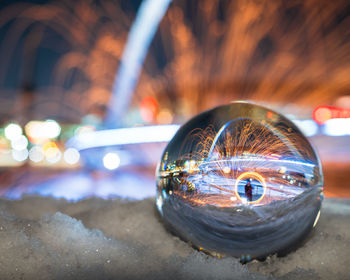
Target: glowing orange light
[(164, 116), (148, 108), (254, 175), (324, 113), (48, 145)]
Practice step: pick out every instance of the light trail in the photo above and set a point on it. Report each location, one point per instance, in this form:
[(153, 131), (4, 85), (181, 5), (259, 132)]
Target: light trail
[(253, 175), (252, 159), (123, 136)]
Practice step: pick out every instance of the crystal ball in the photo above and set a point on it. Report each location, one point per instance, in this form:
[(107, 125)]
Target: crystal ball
[(240, 180)]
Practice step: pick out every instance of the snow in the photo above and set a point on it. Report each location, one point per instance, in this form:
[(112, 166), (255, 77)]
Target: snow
[(45, 238)]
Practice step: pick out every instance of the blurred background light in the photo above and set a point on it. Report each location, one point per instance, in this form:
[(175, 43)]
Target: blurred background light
[(84, 129), (308, 127), (148, 108), (337, 127), (20, 155), (71, 156), (40, 131), (165, 116), (19, 143), (13, 131), (111, 161), (36, 154), (48, 145), (53, 155), (322, 114)]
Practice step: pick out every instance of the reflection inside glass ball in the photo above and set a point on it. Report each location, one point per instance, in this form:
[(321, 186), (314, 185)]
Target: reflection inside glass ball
[(240, 180)]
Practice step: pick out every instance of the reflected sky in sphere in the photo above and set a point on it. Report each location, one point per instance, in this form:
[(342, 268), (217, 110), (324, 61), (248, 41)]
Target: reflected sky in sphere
[(240, 180)]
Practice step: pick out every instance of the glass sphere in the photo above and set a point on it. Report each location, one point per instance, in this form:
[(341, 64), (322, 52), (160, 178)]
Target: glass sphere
[(240, 180)]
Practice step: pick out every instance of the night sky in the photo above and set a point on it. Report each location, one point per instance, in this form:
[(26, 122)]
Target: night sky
[(35, 69)]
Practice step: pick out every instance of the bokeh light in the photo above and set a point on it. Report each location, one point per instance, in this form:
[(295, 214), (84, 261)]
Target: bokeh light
[(13, 131), (53, 155), (165, 116), (36, 154), (71, 156), (148, 108), (111, 161), (308, 127), (19, 143), (40, 131), (20, 155), (337, 127)]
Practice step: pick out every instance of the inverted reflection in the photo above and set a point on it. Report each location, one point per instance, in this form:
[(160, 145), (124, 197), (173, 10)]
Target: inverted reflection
[(240, 180)]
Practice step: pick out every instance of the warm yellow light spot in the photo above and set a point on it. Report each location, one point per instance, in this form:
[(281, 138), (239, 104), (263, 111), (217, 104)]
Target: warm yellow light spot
[(165, 116), (251, 174), (226, 169), (48, 145)]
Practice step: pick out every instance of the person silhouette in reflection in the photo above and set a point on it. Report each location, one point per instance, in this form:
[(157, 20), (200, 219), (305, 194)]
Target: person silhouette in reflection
[(248, 188)]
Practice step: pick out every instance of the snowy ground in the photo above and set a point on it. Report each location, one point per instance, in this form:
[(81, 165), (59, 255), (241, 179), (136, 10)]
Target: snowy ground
[(44, 238)]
